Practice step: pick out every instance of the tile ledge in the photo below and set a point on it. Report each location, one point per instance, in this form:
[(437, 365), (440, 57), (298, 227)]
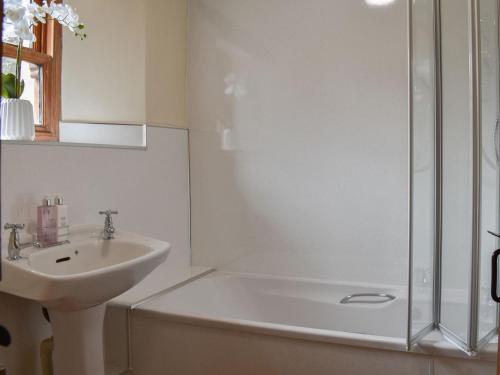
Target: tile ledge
[(136, 296)]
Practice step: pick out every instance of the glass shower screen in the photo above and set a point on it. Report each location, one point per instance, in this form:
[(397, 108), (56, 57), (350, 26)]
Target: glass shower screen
[(457, 170), (423, 168), (455, 153)]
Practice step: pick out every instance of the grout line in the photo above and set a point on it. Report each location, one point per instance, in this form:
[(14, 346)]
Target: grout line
[(190, 240)]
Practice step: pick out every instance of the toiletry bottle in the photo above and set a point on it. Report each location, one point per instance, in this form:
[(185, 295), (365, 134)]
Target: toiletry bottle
[(62, 220), (47, 222)]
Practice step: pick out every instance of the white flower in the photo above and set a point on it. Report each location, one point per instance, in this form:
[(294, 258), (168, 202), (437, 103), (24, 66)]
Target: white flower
[(72, 19), (58, 11), (20, 17), (36, 13), (9, 34), (65, 14), (45, 6), (23, 30), (14, 11)]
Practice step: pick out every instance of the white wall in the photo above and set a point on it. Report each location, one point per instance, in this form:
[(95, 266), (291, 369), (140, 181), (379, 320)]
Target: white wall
[(149, 188), (299, 138), (166, 62)]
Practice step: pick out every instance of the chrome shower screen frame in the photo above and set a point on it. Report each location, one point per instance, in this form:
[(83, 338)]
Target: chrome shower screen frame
[(415, 334)]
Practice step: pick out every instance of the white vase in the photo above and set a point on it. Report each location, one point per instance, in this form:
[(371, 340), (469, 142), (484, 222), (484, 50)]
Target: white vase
[(16, 116)]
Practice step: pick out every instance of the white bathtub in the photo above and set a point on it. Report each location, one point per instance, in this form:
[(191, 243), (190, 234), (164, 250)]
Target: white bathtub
[(224, 312)]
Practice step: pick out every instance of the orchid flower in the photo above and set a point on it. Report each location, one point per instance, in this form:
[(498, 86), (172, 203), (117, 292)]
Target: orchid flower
[(14, 11), (20, 16), (23, 17)]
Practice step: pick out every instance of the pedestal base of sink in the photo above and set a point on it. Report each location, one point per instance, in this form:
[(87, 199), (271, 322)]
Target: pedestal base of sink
[(78, 341)]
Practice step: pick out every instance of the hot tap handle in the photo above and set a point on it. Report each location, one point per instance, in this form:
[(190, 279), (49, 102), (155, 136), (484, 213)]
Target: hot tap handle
[(13, 227)]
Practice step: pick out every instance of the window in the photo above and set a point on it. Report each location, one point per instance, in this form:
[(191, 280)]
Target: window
[(41, 71)]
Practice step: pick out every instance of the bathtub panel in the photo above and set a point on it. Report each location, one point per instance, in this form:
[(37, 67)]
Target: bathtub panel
[(445, 366), (166, 348), (299, 138)]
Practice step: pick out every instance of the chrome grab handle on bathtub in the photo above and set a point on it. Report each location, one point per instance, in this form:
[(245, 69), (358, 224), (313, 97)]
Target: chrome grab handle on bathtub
[(352, 298)]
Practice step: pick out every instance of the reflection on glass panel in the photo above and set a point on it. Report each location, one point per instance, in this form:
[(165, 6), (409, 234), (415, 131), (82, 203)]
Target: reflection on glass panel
[(423, 156), (32, 76), (457, 168), (489, 162)]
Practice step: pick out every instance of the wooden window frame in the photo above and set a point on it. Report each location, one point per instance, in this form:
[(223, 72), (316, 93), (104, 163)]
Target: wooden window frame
[(46, 52)]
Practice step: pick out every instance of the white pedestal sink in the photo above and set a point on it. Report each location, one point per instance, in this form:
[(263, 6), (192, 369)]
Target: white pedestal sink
[(73, 281)]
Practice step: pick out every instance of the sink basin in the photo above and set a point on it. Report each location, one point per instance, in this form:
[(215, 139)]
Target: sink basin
[(84, 273), (73, 281)]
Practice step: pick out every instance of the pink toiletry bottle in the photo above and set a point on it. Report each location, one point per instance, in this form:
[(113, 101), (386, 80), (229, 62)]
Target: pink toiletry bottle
[(62, 219), (47, 222)]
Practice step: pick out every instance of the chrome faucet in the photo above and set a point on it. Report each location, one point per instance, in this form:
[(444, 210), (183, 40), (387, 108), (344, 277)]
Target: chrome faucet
[(109, 229), (14, 248)]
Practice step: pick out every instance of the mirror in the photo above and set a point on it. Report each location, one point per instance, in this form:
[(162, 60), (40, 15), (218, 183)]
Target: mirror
[(79, 94)]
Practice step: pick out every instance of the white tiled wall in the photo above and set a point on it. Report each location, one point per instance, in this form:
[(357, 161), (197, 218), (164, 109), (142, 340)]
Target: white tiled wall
[(149, 188), (298, 112)]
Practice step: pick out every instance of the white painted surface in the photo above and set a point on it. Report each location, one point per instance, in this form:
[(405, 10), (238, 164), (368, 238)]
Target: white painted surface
[(299, 129), (149, 188)]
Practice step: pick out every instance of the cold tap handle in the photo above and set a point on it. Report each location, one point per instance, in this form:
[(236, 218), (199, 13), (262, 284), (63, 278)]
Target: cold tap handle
[(108, 212)]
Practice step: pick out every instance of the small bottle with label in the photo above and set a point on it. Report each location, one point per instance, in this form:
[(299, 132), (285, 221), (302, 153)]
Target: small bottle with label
[(47, 222), (62, 220)]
